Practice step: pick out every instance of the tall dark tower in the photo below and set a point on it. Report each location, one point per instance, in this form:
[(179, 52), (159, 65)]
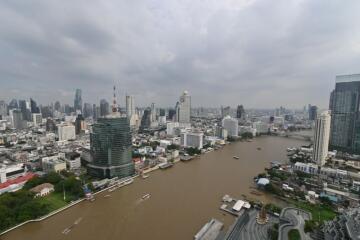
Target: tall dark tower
[(240, 112), (78, 100), (110, 142)]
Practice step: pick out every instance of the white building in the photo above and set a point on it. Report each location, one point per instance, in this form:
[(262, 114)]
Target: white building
[(183, 108), (3, 175), (261, 127), (321, 138), (130, 106), (53, 164), (73, 164), (66, 132), (231, 125), (170, 128), (247, 129), (192, 139), (37, 118), (42, 189)]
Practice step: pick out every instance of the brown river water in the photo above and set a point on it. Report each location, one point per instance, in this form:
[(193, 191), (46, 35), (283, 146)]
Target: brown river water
[(183, 198)]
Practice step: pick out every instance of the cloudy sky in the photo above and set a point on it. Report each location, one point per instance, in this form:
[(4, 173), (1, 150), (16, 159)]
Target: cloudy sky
[(259, 53)]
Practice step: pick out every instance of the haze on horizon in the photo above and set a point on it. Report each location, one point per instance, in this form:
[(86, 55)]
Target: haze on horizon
[(258, 53)]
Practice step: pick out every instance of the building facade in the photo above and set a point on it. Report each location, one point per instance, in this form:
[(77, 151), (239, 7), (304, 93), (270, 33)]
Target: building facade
[(321, 138), (183, 108), (192, 139), (111, 152), (231, 125)]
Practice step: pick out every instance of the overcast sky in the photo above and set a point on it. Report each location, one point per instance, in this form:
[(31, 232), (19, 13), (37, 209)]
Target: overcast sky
[(259, 53)]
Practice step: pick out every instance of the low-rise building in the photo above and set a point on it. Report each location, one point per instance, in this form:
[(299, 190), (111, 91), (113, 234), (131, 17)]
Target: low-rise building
[(42, 189), (53, 164)]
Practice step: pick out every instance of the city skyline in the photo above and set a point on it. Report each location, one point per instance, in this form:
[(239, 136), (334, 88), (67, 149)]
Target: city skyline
[(216, 47)]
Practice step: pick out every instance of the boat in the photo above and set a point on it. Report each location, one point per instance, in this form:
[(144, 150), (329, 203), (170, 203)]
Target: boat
[(106, 196), (146, 196), (236, 157), (259, 148), (144, 176)]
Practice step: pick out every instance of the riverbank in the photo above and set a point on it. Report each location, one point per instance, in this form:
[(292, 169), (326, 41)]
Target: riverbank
[(182, 199)]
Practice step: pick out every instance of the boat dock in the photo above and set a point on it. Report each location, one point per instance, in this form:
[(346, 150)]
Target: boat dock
[(234, 206)]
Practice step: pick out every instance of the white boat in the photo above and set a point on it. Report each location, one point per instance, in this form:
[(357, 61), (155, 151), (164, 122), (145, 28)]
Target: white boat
[(144, 176), (236, 157), (146, 196), (106, 196)]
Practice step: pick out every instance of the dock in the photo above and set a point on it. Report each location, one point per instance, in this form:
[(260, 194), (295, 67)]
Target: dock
[(234, 206), (210, 230)]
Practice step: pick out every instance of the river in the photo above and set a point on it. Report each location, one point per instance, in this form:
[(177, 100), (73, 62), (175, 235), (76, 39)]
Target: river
[(183, 198)]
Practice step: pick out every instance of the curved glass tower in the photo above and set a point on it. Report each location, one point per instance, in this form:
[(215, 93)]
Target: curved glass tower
[(111, 148)]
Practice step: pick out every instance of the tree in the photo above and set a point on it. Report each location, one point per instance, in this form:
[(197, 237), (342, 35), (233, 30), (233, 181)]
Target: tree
[(247, 135), (173, 147)]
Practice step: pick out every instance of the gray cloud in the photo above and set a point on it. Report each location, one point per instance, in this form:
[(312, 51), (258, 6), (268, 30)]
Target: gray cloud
[(255, 52)]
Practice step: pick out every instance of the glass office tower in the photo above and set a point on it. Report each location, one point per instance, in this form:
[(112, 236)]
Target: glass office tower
[(345, 114), (111, 148)]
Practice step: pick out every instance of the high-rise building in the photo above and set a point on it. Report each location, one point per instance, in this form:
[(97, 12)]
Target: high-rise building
[(240, 112), (33, 106), (130, 106), (146, 119), (78, 100), (3, 109), (172, 114), (46, 111), (231, 125), (66, 132), (162, 112), (17, 119), (312, 112), (37, 119), (79, 124), (50, 125), (321, 138), (345, 114), (225, 111), (87, 110), (13, 104), (57, 106), (111, 148), (192, 139), (26, 114), (153, 112), (183, 108), (104, 108)]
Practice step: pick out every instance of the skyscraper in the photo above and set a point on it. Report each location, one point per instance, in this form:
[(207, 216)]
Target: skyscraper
[(183, 108), (13, 104), (146, 119), (104, 108), (231, 125), (225, 111), (321, 138), (78, 100), (87, 111), (57, 106), (79, 124), (110, 142), (240, 112), (312, 112), (345, 114), (3, 109), (26, 114), (130, 106), (33, 106), (17, 119)]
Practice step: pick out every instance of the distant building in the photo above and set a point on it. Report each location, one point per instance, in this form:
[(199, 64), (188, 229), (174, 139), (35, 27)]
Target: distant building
[(78, 100), (192, 139), (312, 112), (183, 108), (321, 138), (221, 132), (261, 127), (17, 119), (130, 106), (225, 111), (146, 119), (37, 118), (170, 128), (88, 110), (172, 114), (50, 125), (33, 106), (345, 114), (111, 149), (79, 124), (13, 104), (231, 125), (52, 164), (3, 109), (66, 132), (104, 108), (240, 112)]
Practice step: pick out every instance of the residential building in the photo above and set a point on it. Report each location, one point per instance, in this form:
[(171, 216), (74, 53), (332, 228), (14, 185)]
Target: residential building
[(104, 108), (78, 100), (192, 139), (321, 138), (37, 118), (130, 106), (312, 112), (66, 132), (183, 108), (231, 125)]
